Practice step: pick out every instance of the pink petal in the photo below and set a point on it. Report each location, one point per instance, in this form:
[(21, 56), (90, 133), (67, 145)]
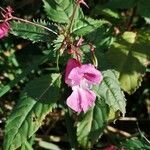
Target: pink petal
[(81, 99), (87, 99), (4, 28), (72, 63), (73, 101), (75, 76), (93, 75)]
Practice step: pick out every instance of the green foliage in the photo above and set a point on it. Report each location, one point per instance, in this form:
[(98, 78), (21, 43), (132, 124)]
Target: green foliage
[(31, 32), (129, 55), (134, 143), (109, 41), (91, 124), (36, 101), (86, 25), (143, 7), (101, 38), (60, 11), (109, 91)]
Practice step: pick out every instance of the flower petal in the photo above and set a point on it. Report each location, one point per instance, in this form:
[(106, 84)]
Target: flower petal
[(81, 99), (87, 98), (93, 75), (75, 76), (4, 28), (72, 72), (73, 101)]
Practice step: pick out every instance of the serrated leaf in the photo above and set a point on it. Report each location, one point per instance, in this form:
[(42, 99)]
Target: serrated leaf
[(36, 101), (109, 90), (31, 32), (61, 11), (130, 55), (91, 124), (86, 25), (101, 38)]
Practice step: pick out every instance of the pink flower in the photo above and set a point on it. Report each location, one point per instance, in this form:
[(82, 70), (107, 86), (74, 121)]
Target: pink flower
[(4, 28), (81, 78)]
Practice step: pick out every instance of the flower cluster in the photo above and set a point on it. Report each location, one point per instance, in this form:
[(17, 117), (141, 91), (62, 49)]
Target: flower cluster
[(81, 77)]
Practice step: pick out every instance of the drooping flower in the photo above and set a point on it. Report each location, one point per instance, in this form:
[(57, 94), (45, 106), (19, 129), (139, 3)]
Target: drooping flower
[(81, 77), (4, 28)]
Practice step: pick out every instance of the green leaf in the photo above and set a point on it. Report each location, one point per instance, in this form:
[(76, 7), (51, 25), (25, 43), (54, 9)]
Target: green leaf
[(135, 144), (36, 101), (86, 25), (109, 12), (101, 38), (109, 90), (130, 55), (61, 11), (91, 124), (26, 146), (33, 66), (32, 32)]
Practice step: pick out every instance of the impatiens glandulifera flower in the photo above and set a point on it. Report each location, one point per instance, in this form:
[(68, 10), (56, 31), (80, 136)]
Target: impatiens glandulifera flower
[(4, 28), (81, 77)]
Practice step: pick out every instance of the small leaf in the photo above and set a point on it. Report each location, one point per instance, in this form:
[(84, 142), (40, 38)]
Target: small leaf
[(130, 55), (91, 124), (37, 100), (101, 38), (31, 32), (86, 25), (61, 11)]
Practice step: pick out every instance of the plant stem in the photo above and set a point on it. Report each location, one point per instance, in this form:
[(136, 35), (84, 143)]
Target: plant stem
[(57, 61), (72, 19), (38, 25)]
